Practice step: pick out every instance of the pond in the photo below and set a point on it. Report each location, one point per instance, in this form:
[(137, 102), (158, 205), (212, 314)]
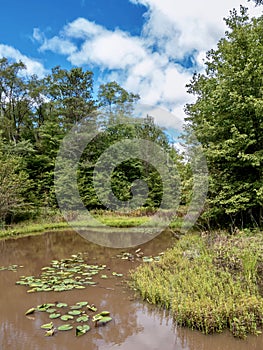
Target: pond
[(134, 324)]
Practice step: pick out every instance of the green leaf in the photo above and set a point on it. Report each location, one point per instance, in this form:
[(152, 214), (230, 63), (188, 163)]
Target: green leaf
[(61, 305), (75, 307), (30, 311), (82, 303), (104, 313), (102, 321), (74, 312), (65, 327), (83, 318), (92, 308), (54, 316), (51, 311), (47, 325), (117, 274), (50, 332), (81, 330), (147, 259), (44, 307), (66, 317)]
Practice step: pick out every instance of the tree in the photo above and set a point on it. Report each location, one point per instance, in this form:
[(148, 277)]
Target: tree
[(70, 95), (14, 101), (227, 120), (116, 101), (14, 185)]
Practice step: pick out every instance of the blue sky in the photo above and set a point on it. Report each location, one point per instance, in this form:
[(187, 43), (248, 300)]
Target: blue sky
[(150, 47)]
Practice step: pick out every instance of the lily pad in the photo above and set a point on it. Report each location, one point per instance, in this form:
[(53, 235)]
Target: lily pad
[(51, 311), (92, 308), (82, 303), (43, 307), (66, 317), (80, 330), (54, 316), (117, 274), (97, 317), (147, 259), (104, 313), (47, 325), (83, 318), (65, 327), (74, 312), (30, 311), (61, 305), (50, 332), (102, 321), (75, 307)]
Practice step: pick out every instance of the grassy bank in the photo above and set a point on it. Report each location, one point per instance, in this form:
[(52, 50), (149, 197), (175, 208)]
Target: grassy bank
[(55, 221), (31, 228), (209, 283)]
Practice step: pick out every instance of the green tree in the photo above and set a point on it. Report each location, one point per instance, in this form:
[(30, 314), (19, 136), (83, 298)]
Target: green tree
[(115, 101), (14, 185), (70, 95), (125, 175), (227, 120), (14, 101)]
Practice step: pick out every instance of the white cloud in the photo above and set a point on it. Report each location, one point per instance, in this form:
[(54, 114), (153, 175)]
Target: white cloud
[(111, 50), (32, 66), (83, 29), (152, 64), (38, 35), (58, 45), (178, 27)]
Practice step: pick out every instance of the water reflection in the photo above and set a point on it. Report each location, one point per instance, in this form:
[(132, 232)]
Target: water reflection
[(135, 325)]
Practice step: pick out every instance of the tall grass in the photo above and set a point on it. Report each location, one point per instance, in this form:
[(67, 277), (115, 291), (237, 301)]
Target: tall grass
[(201, 293)]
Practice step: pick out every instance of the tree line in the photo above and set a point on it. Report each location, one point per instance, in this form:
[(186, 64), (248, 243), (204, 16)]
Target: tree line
[(226, 117), (36, 114)]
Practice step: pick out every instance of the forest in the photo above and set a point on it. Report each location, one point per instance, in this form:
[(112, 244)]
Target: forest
[(226, 117)]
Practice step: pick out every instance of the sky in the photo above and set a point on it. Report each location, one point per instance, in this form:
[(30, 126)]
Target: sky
[(150, 47)]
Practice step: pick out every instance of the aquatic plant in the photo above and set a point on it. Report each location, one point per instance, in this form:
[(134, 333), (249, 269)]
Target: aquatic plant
[(204, 288), (63, 275), (76, 315)]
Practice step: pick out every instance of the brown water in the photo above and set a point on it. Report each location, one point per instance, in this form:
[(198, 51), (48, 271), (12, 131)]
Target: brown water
[(136, 325)]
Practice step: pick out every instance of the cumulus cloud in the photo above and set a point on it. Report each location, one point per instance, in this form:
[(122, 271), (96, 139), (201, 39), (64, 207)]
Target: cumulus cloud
[(58, 45), (32, 66), (158, 63), (110, 50)]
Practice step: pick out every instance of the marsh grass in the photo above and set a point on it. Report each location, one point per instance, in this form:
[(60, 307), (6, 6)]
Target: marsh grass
[(208, 287)]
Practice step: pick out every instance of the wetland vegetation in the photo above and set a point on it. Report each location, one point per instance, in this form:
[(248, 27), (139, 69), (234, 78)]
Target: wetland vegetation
[(211, 279)]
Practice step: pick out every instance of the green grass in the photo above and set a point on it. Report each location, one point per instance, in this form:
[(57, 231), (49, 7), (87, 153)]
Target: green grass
[(209, 284), (27, 229), (54, 221)]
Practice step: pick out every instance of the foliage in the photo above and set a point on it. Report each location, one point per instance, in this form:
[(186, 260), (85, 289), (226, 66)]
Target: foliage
[(227, 120), (36, 114), (14, 184), (226, 297)]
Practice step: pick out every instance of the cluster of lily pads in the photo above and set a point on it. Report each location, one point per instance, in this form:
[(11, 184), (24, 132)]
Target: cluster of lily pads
[(10, 268), (63, 275), (139, 255), (76, 317)]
